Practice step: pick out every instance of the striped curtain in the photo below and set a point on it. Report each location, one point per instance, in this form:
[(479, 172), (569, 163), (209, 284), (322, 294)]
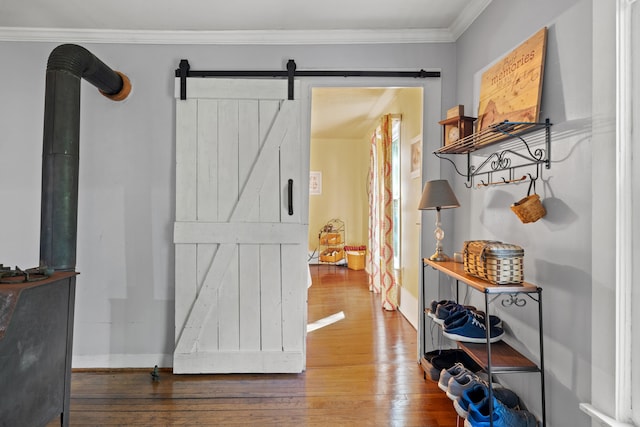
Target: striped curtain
[(379, 261)]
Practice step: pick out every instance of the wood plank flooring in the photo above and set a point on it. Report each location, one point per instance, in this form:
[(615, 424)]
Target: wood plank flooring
[(361, 371)]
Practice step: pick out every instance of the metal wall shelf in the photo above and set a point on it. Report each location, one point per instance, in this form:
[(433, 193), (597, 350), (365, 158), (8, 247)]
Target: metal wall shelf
[(505, 163)]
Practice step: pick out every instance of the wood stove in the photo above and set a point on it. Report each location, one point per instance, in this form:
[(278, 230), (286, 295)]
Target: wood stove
[(36, 313)]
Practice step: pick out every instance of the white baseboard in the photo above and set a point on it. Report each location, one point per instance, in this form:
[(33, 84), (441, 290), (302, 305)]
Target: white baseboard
[(409, 307), (99, 361)]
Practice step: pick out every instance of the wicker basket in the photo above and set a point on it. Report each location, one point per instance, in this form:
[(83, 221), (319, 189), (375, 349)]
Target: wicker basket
[(355, 260), (529, 209), (496, 262), (332, 255)]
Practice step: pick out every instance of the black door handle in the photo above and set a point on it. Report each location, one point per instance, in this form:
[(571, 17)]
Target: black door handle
[(290, 192)]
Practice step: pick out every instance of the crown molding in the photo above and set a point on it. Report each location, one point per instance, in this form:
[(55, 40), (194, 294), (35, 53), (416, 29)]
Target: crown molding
[(466, 18), (270, 37)]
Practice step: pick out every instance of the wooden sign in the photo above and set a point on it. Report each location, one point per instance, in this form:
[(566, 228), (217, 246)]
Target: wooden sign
[(511, 89)]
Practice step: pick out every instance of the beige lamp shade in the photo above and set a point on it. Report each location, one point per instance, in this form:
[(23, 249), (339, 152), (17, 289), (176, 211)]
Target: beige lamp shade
[(438, 194)]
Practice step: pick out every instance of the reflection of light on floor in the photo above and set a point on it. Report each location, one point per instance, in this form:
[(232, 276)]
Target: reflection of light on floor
[(325, 322)]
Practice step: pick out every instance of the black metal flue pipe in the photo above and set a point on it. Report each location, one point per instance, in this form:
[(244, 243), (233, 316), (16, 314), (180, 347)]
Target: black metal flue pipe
[(66, 66)]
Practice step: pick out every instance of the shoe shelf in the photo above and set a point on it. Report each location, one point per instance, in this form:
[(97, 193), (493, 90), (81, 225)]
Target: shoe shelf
[(498, 357), (504, 358)]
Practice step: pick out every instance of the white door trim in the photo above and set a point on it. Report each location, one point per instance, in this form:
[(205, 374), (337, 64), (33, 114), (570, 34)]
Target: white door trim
[(624, 212)]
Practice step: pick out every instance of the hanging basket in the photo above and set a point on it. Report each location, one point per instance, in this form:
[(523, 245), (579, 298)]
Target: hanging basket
[(530, 208)]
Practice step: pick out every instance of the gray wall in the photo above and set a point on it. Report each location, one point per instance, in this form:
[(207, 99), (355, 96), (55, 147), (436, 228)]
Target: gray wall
[(124, 308), (558, 248)]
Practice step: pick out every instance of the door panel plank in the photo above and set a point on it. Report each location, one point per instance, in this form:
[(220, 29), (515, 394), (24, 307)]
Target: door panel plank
[(228, 158), (250, 311), (267, 203), (210, 340), (271, 301), (186, 152), (228, 313), (293, 298), (187, 282), (290, 164), (207, 169), (249, 141)]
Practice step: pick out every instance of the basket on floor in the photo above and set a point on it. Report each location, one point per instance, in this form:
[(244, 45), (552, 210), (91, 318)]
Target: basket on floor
[(355, 257)]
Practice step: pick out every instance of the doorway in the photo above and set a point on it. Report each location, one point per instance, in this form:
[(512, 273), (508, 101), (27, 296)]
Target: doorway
[(342, 121)]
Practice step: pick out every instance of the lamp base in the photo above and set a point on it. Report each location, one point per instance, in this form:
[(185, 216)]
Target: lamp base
[(439, 256)]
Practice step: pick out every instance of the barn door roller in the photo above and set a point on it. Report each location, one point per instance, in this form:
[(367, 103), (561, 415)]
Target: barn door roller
[(290, 73)]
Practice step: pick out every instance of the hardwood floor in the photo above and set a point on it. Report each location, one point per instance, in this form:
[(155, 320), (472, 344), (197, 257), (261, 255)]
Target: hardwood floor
[(361, 371)]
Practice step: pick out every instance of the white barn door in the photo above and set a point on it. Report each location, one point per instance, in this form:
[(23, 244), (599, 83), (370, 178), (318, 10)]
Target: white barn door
[(241, 273)]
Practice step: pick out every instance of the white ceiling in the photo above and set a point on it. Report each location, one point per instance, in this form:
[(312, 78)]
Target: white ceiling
[(201, 15), (345, 112), (266, 21)]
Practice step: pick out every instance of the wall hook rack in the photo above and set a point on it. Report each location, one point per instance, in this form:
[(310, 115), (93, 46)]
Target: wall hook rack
[(502, 166)]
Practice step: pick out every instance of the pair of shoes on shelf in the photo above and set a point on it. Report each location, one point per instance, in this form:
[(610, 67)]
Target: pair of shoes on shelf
[(494, 321), (479, 392), (469, 328), (446, 311), (433, 308), (464, 381), (439, 360), (447, 374), (441, 310), (458, 378), (480, 415)]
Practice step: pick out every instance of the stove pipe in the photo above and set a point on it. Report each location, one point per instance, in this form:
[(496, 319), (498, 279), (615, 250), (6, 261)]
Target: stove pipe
[(66, 66)]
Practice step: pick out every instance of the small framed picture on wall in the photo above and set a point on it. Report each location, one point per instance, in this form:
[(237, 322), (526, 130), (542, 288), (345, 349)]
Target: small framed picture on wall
[(416, 157), (315, 183)]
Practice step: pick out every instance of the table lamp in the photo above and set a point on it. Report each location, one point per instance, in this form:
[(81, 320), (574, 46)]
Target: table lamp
[(438, 195)]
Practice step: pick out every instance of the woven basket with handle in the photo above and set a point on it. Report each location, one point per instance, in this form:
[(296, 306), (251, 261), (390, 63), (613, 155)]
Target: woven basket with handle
[(530, 208)]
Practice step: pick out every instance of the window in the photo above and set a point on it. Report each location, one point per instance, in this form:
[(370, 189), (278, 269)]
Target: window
[(395, 189)]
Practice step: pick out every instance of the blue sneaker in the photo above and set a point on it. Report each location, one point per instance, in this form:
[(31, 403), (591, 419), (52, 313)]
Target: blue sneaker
[(480, 416), (434, 304), (433, 307), (444, 311), (480, 392), (455, 316), (470, 329)]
